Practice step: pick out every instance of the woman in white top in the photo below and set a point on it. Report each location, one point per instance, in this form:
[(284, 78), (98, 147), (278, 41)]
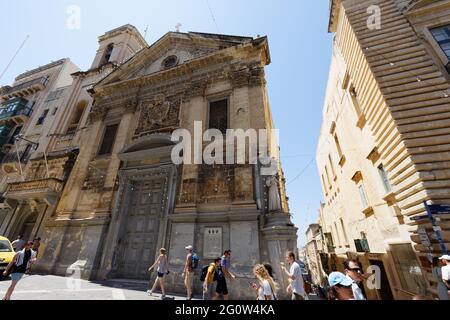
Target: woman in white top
[(267, 287), (437, 273), (162, 269)]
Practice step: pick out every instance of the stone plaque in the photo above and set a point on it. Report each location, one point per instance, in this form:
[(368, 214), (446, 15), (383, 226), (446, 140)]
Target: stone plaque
[(212, 245)]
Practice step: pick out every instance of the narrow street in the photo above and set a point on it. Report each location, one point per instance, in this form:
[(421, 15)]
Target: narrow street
[(49, 287)]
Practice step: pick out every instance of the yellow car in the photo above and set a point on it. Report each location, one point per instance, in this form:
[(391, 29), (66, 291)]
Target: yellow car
[(6, 254)]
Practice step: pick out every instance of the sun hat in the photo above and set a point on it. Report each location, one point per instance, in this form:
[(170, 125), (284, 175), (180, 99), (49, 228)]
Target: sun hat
[(336, 278)]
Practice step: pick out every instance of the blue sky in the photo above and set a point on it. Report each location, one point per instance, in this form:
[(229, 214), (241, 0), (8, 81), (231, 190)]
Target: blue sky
[(299, 43)]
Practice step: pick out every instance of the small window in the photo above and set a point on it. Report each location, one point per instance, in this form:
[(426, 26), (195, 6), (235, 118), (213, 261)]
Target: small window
[(344, 232), (170, 62), (324, 184), (355, 101), (384, 178), (108, 53), (76, 117), (338, 237), (338, 145), (442, 37), (218, 115), (109, 138), (332, 166), (362, 195), (328, 176), (42, 117)]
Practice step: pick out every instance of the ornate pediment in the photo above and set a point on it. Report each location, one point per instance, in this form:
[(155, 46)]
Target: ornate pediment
[(158, 115), (172, 50)]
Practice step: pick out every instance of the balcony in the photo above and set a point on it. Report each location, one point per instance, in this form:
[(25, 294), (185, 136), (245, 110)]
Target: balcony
[(25, 88), (62, 142), (16, 110), (47, 189)]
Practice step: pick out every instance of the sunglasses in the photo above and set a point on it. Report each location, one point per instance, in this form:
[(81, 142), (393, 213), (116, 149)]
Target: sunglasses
[(358, 270)]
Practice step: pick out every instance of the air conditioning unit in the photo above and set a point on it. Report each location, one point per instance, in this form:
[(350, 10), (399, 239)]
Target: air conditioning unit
[(362, 245)]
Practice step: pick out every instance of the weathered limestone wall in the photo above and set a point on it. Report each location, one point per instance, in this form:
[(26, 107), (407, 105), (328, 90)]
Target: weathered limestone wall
[(401, 90)]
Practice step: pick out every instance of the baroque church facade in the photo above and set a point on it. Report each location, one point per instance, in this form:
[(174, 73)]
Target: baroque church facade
[(113, 196)]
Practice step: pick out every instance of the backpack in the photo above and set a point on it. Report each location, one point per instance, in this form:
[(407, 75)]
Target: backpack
[(204, 273), (195, 261)]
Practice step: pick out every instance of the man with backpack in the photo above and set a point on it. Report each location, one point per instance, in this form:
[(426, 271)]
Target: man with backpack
[(188, 272), (209, 276), (223, 273)]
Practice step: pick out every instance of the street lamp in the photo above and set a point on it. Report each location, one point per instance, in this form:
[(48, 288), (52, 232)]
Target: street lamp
[(20, 136)]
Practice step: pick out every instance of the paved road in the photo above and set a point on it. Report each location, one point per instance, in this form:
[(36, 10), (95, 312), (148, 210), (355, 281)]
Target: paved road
[(37, 287), (49, 287)]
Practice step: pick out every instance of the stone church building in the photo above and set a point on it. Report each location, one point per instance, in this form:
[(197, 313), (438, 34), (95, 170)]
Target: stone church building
[(119, 196)]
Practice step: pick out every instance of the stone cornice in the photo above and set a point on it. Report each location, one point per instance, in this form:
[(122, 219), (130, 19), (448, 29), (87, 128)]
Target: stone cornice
[(419, 8), (189, 68)]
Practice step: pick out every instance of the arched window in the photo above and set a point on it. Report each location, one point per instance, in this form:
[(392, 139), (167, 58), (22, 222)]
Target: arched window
[(108, 52), (76, 117)]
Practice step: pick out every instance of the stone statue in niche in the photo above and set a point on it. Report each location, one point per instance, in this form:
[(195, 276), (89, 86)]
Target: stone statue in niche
[(274, 201)]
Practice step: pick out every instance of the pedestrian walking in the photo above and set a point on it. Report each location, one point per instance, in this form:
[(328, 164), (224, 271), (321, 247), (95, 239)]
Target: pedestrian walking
[(437, 273), (162, 268), (296, 285), (267, 287), (210, 279), (445, 270), (188, 272), (18, 244), (354, 273), (340, 287), (223, 274), (35, 248), (18, 266)]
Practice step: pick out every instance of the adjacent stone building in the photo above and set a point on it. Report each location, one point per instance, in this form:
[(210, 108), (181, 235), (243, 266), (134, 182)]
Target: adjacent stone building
[(121, 197), (384, 143), (314, 250), (29, 110)]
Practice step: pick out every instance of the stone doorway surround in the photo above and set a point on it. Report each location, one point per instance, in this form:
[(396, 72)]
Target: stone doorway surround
[(144, 159)]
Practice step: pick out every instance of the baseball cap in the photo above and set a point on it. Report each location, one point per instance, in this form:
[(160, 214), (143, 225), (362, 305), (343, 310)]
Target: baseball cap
[(189, 248), (336, 278), (445, 257)]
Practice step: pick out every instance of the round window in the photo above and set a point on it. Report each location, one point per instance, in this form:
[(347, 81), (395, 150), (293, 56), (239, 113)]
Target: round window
[(170, 62)]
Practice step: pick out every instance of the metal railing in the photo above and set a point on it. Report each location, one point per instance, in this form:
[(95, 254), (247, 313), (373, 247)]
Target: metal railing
[(12, 156)]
